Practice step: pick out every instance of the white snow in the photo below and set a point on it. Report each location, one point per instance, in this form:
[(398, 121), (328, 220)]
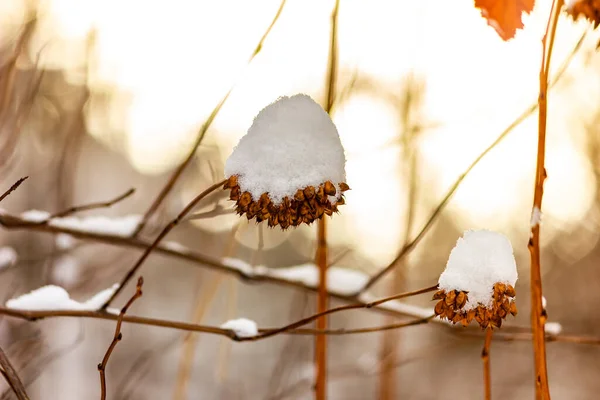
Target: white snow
[(242, 327), (536, 217), (553, 328), (66, 270), (64, 241), (118, 226), (35, 215), (342, 281), (480, 259), (292, 144), (54, 297), (8, 257), (544, 302), (175, 246)]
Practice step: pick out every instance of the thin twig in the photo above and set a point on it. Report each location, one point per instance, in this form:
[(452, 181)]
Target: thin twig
[(485, 356), (537, 319), (11, 376), (13, 188), (442, 205), (160, 236), (91, 206), (117, 337), (215, 212), (177, 173)]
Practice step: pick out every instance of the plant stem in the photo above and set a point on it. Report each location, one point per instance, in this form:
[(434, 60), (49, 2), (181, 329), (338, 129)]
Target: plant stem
[(485, 356), (537, 320), (321, 323)]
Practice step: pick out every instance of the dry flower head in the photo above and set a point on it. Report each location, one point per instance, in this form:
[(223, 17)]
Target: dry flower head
[(307, 205), (451, 306), (587, 9)]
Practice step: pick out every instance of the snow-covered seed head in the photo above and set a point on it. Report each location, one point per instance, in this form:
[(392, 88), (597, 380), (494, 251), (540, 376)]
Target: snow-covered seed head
[(289, 168), (478, 282), (588, 9)]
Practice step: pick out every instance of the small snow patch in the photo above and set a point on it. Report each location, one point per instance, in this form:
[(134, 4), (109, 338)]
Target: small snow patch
[(35, 216), (8, 257), (66, 270), (53, 297), (536, 217), (553, 328), (118, 226), (291, 144), (64, 241), (480, 259), (242, 327), (342, 281), (175, 246)]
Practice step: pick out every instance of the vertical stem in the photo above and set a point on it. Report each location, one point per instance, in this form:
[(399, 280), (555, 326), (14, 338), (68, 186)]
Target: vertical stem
[(537, 319), (485, 357), (321, 257), (322, 300)]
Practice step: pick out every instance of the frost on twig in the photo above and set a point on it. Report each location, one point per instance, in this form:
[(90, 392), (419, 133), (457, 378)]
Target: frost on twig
[(289, 168), (536, 217), (242, 327), (53, 297), (478, 282)]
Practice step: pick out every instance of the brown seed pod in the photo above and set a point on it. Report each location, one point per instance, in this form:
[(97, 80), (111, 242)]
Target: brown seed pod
[(307, 204), (450, 306)]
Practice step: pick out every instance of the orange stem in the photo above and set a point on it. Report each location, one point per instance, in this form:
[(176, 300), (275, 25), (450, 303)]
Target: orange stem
[(485, 356), (322, 300), (537, 318)]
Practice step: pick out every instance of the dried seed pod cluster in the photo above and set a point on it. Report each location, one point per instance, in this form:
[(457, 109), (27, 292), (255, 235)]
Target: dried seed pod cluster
[(588, 9), (307, 205), (451, 306)]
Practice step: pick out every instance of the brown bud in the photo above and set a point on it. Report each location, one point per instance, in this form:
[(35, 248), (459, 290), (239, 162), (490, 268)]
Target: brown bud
[(450, 298), (329, 189), (343, 186), (461, 300), (438, 295), (439, 308), (309, 192), (299, 196), (510, 291)]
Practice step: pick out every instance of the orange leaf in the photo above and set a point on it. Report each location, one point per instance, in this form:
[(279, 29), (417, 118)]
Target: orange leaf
[(504, 15)]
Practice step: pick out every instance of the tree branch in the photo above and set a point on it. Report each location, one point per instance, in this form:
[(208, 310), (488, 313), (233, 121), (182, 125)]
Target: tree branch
[(11, 376), (91, 206), (177, 173), (406, 249), (13, 188), (160, 236), (117, 337)]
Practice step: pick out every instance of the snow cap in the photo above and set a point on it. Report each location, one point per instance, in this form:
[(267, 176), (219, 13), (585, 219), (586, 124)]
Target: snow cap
[(292, 144), (480, 259)]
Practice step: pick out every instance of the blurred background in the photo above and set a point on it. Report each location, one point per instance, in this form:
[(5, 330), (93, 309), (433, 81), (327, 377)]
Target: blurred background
[(100, 96)]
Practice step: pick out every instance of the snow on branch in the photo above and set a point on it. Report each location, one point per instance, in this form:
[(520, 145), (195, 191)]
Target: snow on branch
[(242, 327), (340, 281), (54, 297)]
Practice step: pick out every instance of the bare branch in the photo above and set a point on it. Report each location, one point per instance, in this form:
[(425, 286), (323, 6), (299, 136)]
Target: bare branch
[(12, 377), (13, 188), (91, 206), (444, 202), (177, 173), (160, 236), (118, 336)]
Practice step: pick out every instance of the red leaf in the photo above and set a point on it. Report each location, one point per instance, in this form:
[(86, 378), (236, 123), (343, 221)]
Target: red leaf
[(504, 15)]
